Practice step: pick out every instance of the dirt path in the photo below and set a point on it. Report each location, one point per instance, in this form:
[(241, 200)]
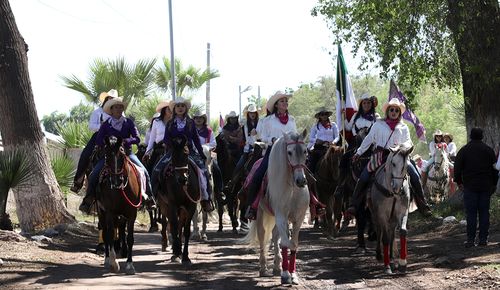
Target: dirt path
[(436, 260)]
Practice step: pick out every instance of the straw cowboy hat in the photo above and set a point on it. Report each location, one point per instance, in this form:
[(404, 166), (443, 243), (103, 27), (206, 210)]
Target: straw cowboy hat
[(448, 135), (112, 93), (161, 105), (274, 98), (416, 157), (323, 110), (231, 114), (366, 96), (200, 114), (111, 102), (437, 133), (394, 103), (250, 108), (179, 100)]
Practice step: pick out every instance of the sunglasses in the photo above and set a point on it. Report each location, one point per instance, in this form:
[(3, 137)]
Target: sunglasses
[(394, 110)]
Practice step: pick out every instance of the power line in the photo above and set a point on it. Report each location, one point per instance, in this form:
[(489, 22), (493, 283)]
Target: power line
[(71, 15)]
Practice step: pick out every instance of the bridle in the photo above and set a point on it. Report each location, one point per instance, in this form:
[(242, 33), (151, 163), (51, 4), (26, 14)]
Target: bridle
[(296, 166)]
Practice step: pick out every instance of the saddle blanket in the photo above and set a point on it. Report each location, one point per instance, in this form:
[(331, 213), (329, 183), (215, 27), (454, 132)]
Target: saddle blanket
[(142, 178)]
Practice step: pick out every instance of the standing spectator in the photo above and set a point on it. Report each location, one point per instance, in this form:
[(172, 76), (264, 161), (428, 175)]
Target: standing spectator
[(476, 176)]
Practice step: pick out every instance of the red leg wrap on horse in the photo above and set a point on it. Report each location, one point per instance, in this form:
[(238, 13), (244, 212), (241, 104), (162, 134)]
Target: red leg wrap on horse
[(291, 266), (284, 262), (386, 255), (403, 250)]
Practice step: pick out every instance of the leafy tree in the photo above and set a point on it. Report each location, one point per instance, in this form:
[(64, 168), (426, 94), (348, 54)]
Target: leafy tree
[(448, 42), (81, 113), (133, 81), (50, 121), (190, 78), (143, 112)]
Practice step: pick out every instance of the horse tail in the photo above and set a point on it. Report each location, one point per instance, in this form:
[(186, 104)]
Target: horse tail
[(252, 237)]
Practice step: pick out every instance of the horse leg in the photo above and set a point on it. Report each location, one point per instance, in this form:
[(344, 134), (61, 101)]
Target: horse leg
[(151, 220), (107, 244), (337, 214), (185, 252), (220, 211), (403, 247), (196, 228), (122, 239), (204, 226), (110, 233), (174, 230), (164, 237), (293, 252), (277, 253), (129, 268), (386, 246), (361, 225), (261, 234), (232, 210)]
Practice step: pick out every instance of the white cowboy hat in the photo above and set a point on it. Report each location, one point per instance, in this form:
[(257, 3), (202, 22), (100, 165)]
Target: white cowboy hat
[(323, 110), (161, 105), (438, 133), (111, 102), (180, 100), (112, 93), (231, 114), (274, 98), (200, 114), (251, 108), (366, 96), (449, 135), (394, 103)]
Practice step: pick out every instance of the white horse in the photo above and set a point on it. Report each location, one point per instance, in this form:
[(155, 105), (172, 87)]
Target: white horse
[(196, 229), (287, 200), (439, 176), (389, 205)]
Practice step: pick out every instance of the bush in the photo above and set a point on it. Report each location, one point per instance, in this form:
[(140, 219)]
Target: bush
[(75, 135)]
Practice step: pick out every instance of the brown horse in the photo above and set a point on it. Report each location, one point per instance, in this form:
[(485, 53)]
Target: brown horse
[(178, 197), (150, 162), (119, 195), (327, 178), (227, 163)]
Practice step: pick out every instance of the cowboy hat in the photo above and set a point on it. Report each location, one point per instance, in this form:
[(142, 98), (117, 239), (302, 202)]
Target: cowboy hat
[(394, 103), (448, 135), (366, 96), (179, 100), (200, 114), (250, 108), (231, 114), (161, 105), (274, 98), (438, 133), (112, 93), (111, 102), (323, 110), (416, 157)]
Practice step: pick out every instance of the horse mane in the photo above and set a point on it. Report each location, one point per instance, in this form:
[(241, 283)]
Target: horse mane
[(333, 154)]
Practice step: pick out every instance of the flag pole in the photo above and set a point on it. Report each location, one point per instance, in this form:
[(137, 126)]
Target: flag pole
[(341, 101)]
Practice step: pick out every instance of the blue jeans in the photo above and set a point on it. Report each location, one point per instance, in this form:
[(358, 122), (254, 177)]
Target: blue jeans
[(94, 176), (477, 203), (84, 160)]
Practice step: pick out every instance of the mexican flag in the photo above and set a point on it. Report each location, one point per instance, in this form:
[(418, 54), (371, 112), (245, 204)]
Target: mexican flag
[(346, 102)]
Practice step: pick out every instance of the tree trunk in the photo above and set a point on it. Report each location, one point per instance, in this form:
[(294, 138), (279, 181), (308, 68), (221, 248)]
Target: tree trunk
[(39, 203), (475, 27)]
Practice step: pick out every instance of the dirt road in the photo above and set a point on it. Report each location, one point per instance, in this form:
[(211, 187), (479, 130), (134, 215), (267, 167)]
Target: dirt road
[(437, 260)]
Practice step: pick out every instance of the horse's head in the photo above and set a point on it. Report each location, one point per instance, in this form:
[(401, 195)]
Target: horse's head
[(440, 156), (296, 155), (114, 161), (330, 162), (360, 136), (396, 168), (180, 159)]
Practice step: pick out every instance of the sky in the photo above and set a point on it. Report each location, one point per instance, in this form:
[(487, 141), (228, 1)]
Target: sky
[(274, 44)]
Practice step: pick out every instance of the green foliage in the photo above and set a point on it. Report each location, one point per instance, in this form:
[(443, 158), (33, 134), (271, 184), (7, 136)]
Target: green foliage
[(15, 169), (75, 135), (133, 81), (409, 40), (143, 112), (81, 113), (50, 121), (214, 124), (190, 78), (64, 169)]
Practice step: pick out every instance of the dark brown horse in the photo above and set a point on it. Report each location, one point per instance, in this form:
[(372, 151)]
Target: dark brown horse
[(327, 179), (178, 197), (227, 163), (150, 162), (119, 195)]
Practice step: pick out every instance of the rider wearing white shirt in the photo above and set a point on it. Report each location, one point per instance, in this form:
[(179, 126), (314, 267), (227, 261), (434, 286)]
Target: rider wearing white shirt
[(452, 147), (384, 134), (323, 133), (158, 127)]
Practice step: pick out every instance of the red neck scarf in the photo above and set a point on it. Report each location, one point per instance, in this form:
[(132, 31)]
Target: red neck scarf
[(391, 123), (282, 117), (327, 124)]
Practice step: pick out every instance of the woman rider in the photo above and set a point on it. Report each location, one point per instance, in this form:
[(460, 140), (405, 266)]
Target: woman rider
[(182, 124), (97, 117), (363, 119), (119, 126), (324, 132), (158, 128), (384, 134), (233, 135), (437, 140)]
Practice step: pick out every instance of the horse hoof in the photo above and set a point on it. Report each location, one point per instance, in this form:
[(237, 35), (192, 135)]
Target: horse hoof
[(153, 229), (186, 262), (276, 272), (295, 279), (106, 263), (219, 230), (129, 269), (388, 270), (115, 267), (175, 259), (196, 236), (360, 250), (235, 231), (402, 269), (393, 267), (286, 279), (264, 273)]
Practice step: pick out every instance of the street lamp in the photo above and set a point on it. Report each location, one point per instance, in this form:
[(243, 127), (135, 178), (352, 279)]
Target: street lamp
[(245, 90)]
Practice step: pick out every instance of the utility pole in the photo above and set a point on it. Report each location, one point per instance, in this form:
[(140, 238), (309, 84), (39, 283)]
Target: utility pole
[(172, 55), (207, 109)]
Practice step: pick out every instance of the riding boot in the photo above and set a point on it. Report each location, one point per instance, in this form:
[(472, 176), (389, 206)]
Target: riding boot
[(357, 197), (252, 191), (422, 205), (77, 183), (88, 200)]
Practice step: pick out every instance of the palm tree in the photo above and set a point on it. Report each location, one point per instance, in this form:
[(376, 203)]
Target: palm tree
[(191, 78), (133, 82), (15, 169)]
